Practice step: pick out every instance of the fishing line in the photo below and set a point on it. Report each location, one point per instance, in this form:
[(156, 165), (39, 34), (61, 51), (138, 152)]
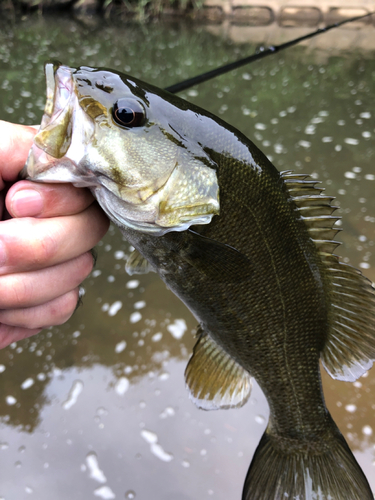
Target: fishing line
[(273, 49)]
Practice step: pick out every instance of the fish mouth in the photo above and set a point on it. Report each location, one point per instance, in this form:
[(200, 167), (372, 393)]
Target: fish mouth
[(59, 90), (54, 155)]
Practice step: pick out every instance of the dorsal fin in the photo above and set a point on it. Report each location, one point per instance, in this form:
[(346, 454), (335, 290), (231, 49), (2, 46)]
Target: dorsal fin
[(350, 346), (315, 210)]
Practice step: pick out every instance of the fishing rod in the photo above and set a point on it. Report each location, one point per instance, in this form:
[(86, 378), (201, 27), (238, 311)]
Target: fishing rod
[(273, 49)]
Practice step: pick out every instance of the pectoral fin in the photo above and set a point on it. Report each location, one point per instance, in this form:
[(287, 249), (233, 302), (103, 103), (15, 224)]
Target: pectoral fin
[(217, 260), (214, 379), (137, 264)]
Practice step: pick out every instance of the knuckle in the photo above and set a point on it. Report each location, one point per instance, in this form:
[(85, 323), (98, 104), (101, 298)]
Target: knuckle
[(43, 250), (18, 292), (87, 264), (39, 245), (61, 309)]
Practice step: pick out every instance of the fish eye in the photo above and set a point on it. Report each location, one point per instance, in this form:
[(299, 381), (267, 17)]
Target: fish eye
[(128, 112)]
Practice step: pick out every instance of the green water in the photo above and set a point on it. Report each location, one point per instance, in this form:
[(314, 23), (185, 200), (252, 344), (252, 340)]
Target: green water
[(99, 406)]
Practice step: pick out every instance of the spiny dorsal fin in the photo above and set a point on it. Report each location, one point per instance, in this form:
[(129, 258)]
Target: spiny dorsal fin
[(350, 346), (214, 379), (315, 210)]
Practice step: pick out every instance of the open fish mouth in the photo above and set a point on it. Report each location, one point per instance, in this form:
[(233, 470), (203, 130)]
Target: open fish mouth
[(58, 92), (56, 151)]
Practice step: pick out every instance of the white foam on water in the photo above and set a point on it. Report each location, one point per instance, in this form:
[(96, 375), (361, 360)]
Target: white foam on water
[(122, 385), (74, 392), (168, 412), (149, 437), (27, 383), (93, 466), (260, 126), (367, 430), (177, 329), (140, 304), (156, 449), (352, 141), (132, 284), (159, 452), (135, 317), (120, 346), (114, 308), (104, 492)]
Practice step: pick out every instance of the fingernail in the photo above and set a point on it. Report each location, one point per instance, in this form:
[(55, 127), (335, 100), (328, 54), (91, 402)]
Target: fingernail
[(26, 203)]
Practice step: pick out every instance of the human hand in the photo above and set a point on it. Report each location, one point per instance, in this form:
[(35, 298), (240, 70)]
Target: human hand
[(45, 248)]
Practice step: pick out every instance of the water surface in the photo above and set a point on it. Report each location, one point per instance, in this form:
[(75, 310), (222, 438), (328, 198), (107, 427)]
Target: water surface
[(98, 407)]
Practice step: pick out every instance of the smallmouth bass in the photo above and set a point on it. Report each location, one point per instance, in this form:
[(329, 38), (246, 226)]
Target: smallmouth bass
[(248, 249)]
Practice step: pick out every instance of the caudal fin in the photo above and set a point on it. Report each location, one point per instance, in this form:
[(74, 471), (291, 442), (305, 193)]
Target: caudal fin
[(282, 472)]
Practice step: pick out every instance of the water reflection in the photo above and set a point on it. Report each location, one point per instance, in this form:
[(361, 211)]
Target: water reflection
[(127, 442), (101, 400)]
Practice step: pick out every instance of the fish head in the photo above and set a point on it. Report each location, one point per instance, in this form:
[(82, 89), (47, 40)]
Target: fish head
[(129, 143)]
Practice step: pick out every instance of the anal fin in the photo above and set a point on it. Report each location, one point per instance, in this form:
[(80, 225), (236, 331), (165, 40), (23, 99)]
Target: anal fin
[(214, 379)]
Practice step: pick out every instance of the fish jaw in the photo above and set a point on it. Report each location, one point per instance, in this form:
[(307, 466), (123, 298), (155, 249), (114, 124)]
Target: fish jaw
[(64, 135)]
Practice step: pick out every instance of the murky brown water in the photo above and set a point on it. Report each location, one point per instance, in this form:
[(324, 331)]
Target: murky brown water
[(97, 407)]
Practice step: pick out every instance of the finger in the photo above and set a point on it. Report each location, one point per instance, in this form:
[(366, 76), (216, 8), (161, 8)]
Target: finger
[(37, 287), (9, 334), (28, 244), (16, 141), (2, 204), (29, 199), (54, 312)]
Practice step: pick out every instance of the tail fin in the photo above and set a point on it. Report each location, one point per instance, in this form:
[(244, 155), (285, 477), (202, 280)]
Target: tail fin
[(282, 472)]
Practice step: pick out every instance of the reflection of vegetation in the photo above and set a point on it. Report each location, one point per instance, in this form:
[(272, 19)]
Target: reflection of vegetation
[(352, 407), (138, 9)]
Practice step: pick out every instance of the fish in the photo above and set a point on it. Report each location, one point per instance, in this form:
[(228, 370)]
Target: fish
[(248, 249)]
